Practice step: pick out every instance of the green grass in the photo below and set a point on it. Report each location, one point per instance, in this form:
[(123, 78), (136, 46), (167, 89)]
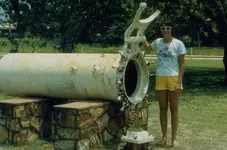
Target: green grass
[(202, 114), (28, 46), (210, 51), (35, 46), (37, 145)]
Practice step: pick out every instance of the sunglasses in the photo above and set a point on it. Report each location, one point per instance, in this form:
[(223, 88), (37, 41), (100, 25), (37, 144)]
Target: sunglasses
[(165, 28)]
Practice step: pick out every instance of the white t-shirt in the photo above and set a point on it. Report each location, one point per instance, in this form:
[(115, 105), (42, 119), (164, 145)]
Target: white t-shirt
[(168, 60)]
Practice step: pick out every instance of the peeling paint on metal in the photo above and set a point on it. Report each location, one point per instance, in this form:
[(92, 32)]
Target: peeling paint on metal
[(71, 85), (86, 92), (73, 69)]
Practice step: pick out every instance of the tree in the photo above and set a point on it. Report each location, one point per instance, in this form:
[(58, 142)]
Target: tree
[(71, 22), (212, 15)]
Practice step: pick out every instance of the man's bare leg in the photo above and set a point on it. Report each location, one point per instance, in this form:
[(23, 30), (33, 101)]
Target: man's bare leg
[(162, 97), (174, 105)]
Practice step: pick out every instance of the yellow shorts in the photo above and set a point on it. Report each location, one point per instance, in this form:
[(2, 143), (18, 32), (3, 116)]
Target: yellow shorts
[(166, 83)]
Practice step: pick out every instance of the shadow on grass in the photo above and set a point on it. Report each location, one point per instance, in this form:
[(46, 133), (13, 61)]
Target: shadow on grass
[(200, 81)]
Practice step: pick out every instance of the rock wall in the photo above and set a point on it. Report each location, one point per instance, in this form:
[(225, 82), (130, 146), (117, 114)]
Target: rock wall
[(71, 125), (137, 118), (21, 121), (95, 124), (84, 128)]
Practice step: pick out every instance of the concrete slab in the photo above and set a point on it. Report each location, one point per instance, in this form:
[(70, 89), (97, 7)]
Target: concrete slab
[(80, 105), (19, 101)]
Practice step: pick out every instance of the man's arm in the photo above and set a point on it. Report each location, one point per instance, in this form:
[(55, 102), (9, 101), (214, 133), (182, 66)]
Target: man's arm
[(147, 45), (181, 68)]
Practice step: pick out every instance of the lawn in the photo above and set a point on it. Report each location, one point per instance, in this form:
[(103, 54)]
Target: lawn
[(203, 115), (41, 46), (210, 51)]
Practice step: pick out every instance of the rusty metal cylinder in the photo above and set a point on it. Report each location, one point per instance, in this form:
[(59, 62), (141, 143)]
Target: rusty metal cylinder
[(75, 76)]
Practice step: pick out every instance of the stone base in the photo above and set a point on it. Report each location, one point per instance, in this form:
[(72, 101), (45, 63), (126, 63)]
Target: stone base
[(85, 124), (136, 120), (22, 120), (74, 125)]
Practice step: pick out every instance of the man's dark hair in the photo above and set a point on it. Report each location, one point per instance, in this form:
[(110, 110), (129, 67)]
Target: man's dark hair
[(168, 23)]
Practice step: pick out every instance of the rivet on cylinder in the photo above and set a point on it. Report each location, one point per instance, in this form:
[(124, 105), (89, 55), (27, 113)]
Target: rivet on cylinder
[(142, 53), (122, 108), (148, 63), (120, 69), (119, 82), (119, 98)]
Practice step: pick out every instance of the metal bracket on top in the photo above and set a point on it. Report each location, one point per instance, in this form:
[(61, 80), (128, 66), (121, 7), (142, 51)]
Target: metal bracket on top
[(131, 43)]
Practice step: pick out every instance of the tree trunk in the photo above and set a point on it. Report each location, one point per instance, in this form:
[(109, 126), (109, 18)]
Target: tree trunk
[(66, 45), (225, 62), (69, 48), (15, 7)]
